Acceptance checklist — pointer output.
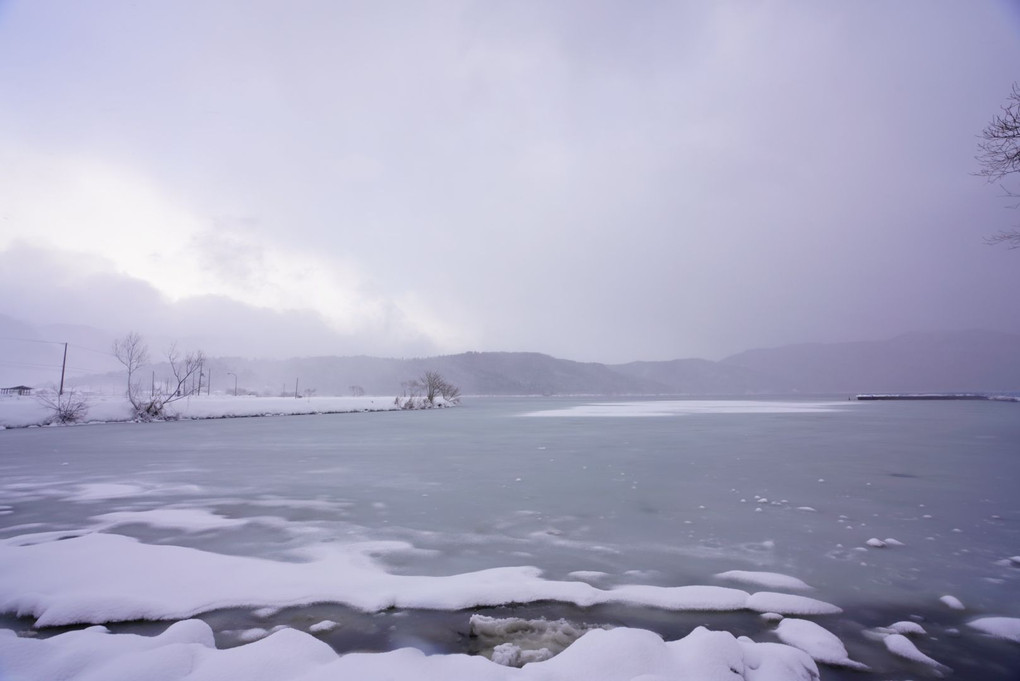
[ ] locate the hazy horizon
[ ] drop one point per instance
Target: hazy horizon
(593, 181)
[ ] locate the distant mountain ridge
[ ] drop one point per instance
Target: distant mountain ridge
(956, 361)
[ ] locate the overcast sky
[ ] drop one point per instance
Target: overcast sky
(605, 181)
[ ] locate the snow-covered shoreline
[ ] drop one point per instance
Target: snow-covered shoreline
(26, 412)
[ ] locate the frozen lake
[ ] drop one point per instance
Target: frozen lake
(390, 529)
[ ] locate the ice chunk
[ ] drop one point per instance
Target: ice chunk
(875, 543)
(818, 642)
(771, 580)
(323, 626)
(515, 641)
(1000, 627)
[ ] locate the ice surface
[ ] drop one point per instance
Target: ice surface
(282, 521)
(1000, 627)
(818, 642)
(684, 407)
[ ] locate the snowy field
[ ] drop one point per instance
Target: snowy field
(18, 412)
(517, 539)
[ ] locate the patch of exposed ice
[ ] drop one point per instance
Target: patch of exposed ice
(818, 642)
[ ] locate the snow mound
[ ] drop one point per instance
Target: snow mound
(186, 651)
(770, 580)
(1000, 627)
(788, 604)
(901, 646)
(907, 628)
(952, 602)
(818, 642)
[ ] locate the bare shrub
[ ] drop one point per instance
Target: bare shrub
(70, 407)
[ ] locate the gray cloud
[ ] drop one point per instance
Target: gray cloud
(599, 181)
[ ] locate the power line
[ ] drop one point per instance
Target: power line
(31, 340)
(98, 352)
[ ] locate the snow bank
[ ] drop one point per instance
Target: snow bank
(27, 411)
(117, 578)
(186, 650)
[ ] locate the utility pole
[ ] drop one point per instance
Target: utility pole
(63, 368)
(295, 389)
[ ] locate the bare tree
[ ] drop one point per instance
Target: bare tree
(183, 369)
(357, 390)
(133, 353)
(432, 384)
(1000, 156)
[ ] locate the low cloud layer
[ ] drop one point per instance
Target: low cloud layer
(593, 180)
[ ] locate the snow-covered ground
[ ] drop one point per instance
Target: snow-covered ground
(26, 411)
(741, 541)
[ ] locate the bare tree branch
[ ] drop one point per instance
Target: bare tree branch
(999, 157)
(133, 353)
